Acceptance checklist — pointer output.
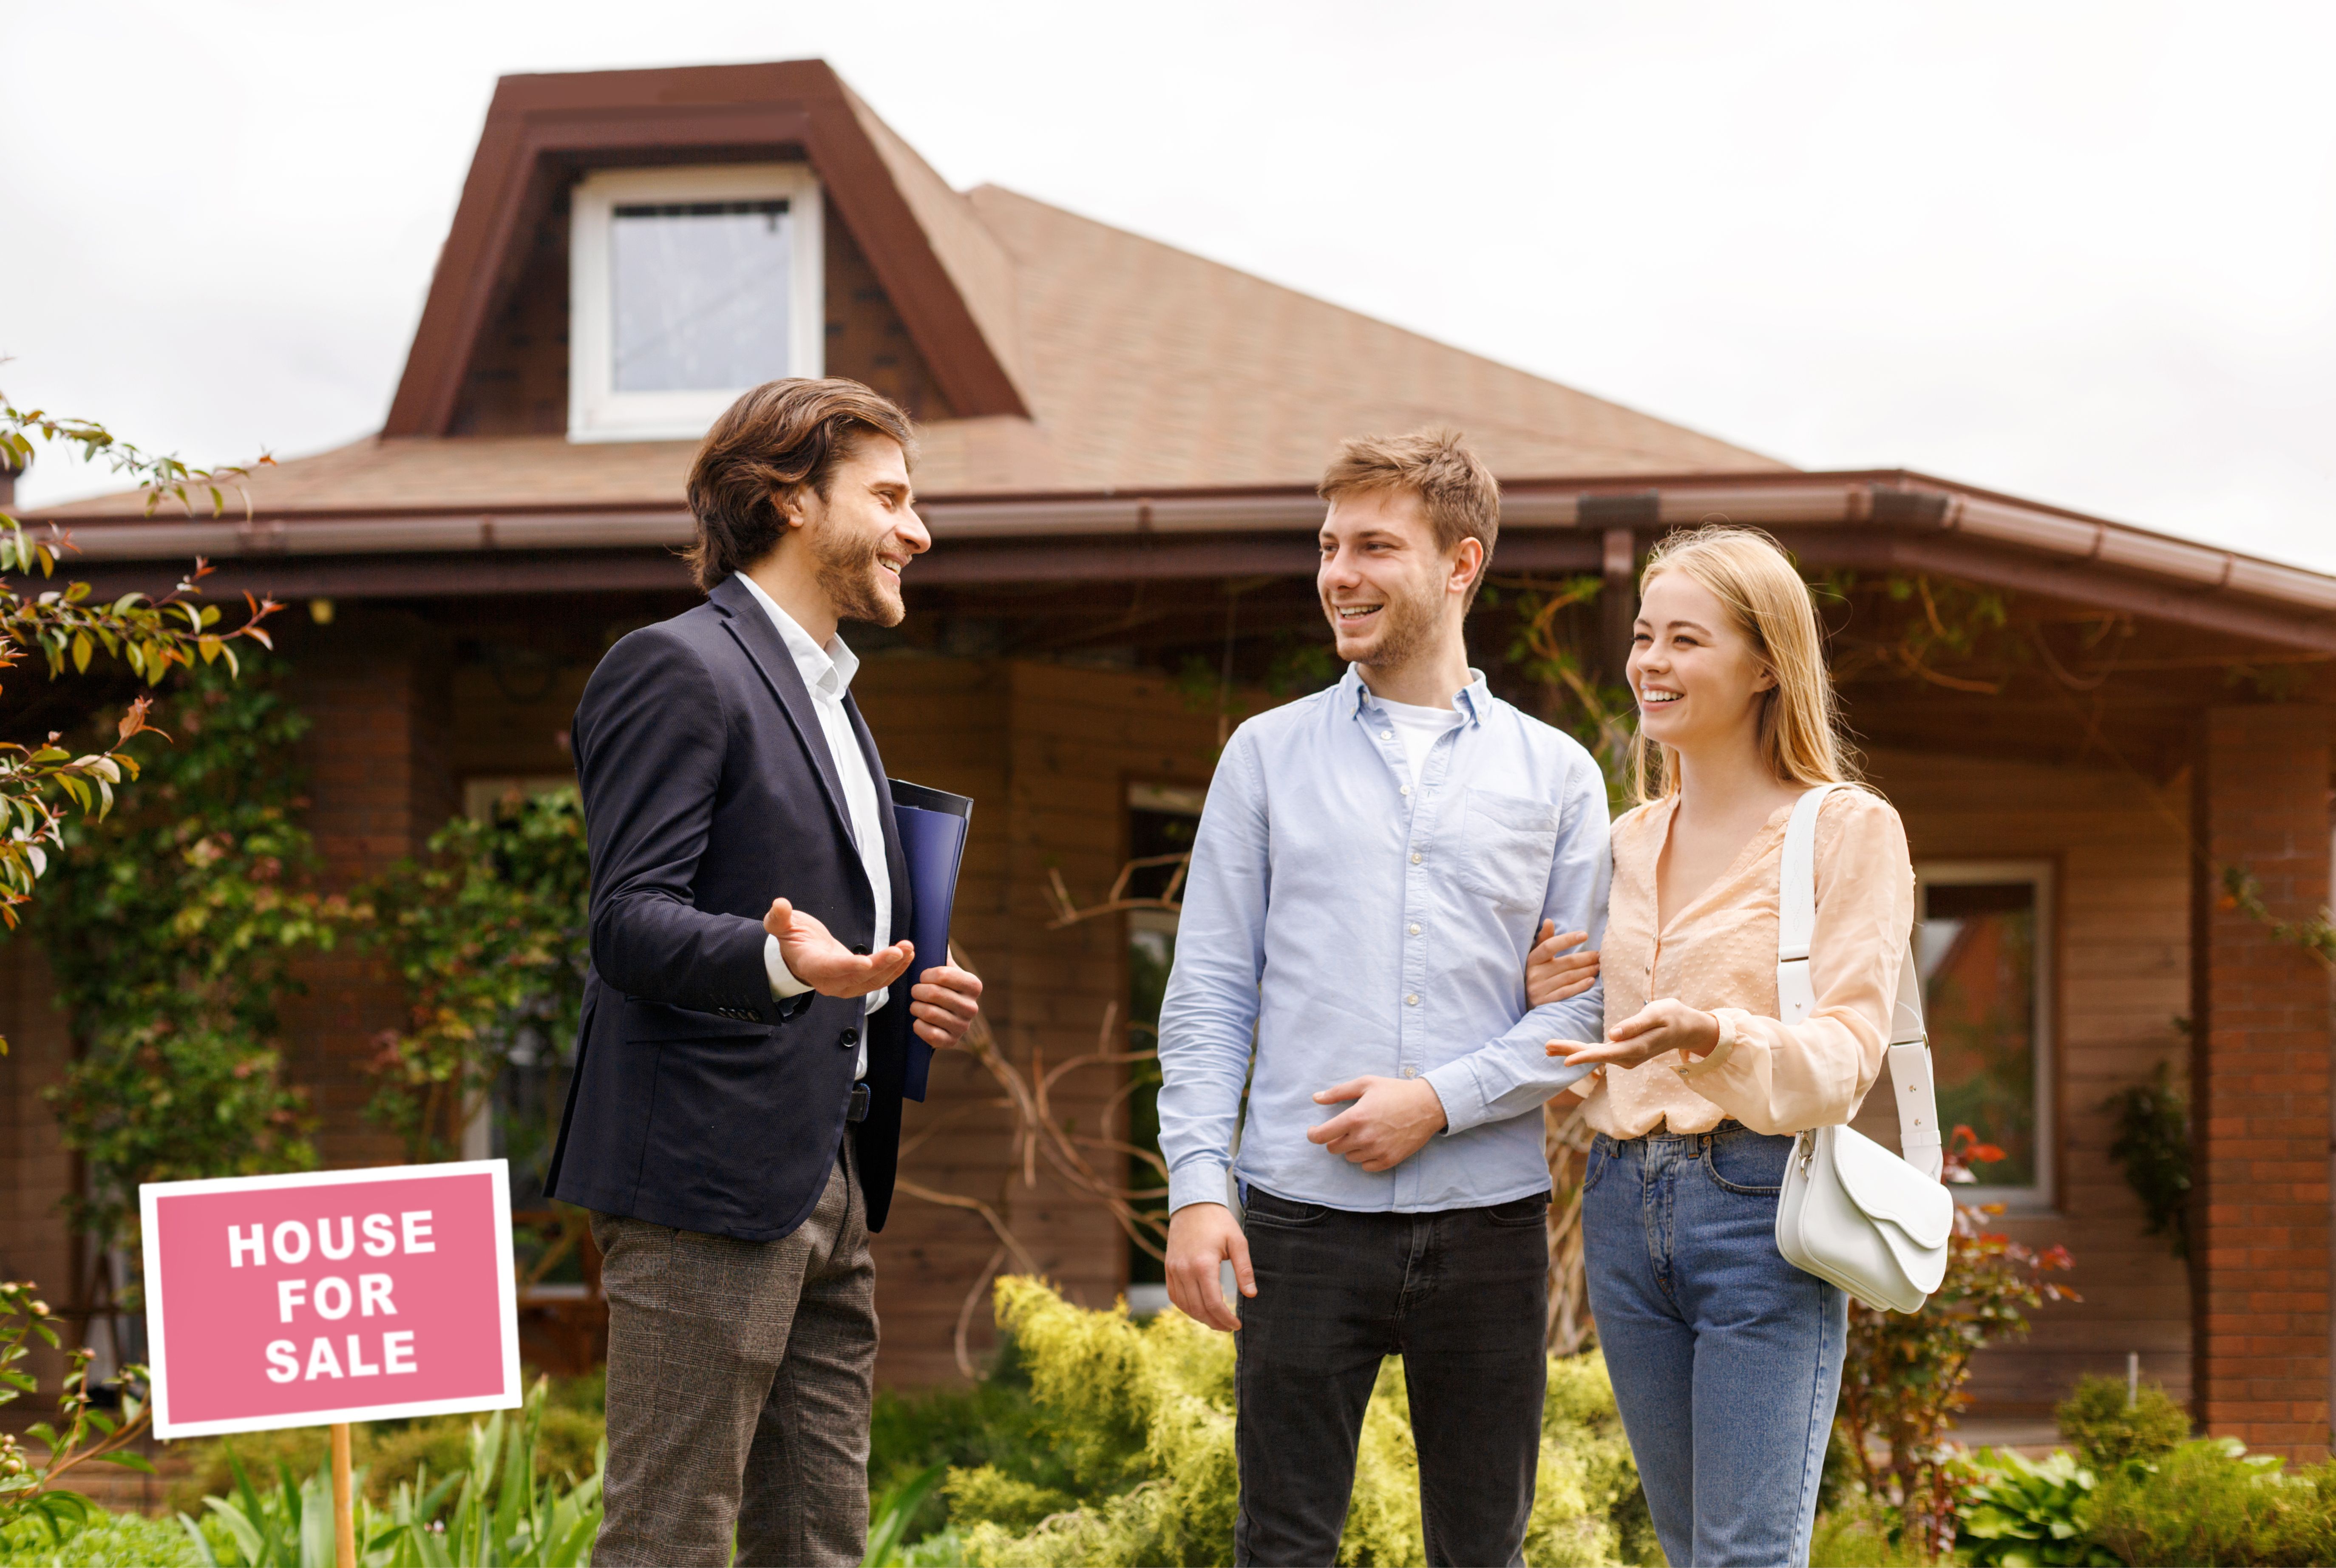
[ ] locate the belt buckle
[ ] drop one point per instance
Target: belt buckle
(857, 1110)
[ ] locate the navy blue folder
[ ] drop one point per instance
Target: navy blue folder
(933, 825)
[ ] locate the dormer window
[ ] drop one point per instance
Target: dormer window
(690, 285)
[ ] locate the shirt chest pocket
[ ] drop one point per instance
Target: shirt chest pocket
(1506, 843)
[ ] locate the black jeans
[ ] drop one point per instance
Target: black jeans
(1462, 1297)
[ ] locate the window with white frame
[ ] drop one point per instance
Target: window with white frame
(688, 287)
(1983, 939)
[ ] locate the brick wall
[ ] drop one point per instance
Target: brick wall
(375, 686)
(2260, 1211)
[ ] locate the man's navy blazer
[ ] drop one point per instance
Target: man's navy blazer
(698, 1100)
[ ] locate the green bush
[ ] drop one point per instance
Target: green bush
(1860, 1534)
(117, 1539)
(2012, 1511)
(2210, 1502)
(1137, 1420)
(2095, 1422)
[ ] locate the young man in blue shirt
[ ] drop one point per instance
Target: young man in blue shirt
(1370, 874)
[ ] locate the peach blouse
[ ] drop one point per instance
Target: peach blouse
(1719, 954)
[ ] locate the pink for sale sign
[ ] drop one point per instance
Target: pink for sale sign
(332, 1296)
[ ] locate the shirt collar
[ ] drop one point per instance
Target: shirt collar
(826, 670)
(1473, 700)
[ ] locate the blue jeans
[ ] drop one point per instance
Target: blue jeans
(1725, 1358)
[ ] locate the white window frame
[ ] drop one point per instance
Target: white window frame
(596, 410)
(2040, 875)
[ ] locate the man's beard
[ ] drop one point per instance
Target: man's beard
(1406, 626)
(847, 572)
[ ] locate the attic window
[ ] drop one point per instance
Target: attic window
(690, 285)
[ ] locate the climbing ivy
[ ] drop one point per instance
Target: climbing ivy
(170, 927)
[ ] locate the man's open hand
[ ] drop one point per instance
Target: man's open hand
(1201, 1237)
(944, 1001)
(815, 958)
(1390, 1121)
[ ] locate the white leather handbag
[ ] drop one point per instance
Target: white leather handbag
(1851, 1212)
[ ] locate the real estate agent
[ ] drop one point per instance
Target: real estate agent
(734, 1116)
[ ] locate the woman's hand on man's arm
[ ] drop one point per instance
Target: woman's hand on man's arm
(1552, 972)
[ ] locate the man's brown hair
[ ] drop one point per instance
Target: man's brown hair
(776, 440)
(1458, 492)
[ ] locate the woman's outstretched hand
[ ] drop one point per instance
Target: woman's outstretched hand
(1551, 972)
(1669, 1025)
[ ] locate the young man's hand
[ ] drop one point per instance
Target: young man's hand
(1390, 1121)
(815, 958)
(1201, 1237)
(943, 1002)
(1552, 973)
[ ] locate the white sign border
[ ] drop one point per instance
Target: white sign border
(514, 1393)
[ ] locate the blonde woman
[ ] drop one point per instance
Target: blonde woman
(1725, 1358)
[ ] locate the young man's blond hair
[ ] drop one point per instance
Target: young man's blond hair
(1458, 492)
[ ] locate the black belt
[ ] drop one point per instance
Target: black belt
(857, 1111)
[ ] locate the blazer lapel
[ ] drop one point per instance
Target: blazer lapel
(768, 651)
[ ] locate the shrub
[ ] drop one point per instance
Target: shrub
(2096, 1421)
(992, 1424)
(1860, 1534)
(2016, 1512)
(1140, 1418)
(2209, 1502)
(108, 1542)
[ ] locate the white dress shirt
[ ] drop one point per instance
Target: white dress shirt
(828, 672)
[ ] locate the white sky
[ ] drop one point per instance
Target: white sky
(2083, 252)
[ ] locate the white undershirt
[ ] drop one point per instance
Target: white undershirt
(828, 672)
(1417, 728)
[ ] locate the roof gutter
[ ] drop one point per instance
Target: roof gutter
(1920, 524)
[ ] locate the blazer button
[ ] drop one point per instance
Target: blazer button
(848, 1038)
(859, 948)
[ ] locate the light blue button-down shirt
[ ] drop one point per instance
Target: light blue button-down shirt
(1353, 923)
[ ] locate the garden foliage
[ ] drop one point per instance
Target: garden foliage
(2211, 1502)
(496, 1510)
(2153, 1146)
(1904, 1376)
(1139, 1465)
(2018, 1513)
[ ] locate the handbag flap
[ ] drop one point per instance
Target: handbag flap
(1889, 1190)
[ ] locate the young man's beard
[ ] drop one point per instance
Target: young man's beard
(847, 574)
(1408, 626)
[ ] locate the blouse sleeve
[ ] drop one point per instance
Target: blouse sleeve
(1776, 1077)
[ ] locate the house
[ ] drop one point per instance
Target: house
(2083, 724)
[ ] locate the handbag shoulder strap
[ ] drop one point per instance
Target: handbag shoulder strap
(1908, 1054)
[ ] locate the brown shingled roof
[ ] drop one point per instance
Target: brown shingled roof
(1147, 367)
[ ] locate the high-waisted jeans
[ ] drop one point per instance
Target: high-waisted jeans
(1725, 1358)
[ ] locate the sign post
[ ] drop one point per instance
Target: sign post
(330, 1296)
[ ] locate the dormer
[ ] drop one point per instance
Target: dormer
(633, 249)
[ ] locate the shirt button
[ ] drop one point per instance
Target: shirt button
(1414, 927)
(1411, 1072)
(1386, 734)
(1412, 1000)
(1415, 857)
(1406, 789)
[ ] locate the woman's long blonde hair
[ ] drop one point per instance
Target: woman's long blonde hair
(1800, 724)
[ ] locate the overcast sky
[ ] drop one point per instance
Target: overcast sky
(2082, 252)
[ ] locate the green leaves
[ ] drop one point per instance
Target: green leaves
(488, 937)
(2021, 1512)
(80, 1433)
